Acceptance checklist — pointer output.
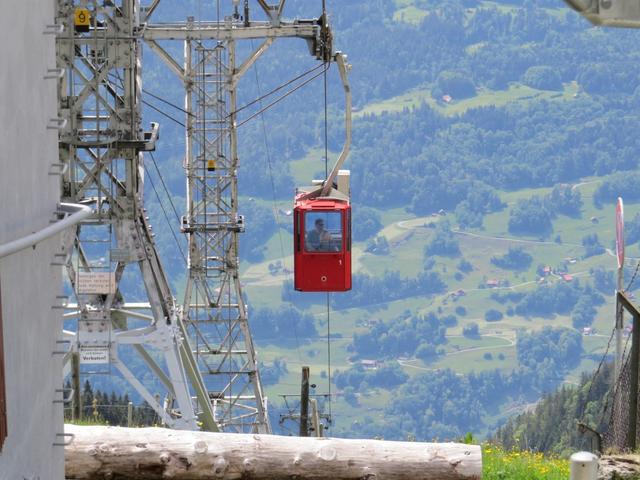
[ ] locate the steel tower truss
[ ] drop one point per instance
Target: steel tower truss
(101, 146)
(214, 306)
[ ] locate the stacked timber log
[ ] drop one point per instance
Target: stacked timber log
(96, 452)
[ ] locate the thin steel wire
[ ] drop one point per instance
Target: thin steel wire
(275, 208)
(635, 274)
(175, 238)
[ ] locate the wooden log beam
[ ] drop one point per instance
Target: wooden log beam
(98, 453)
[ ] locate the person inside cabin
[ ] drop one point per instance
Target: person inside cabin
(319, 239)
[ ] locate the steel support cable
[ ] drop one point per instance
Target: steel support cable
(273, 192)
(617, 381)
(596, 373)
(633, 277)
(164, 186)
(279, 99)
(164, 114)
(150, 105)
(147, 92)
(277, 89)
(167, 219)
(162, 180)
(616, 422)
(326, 175)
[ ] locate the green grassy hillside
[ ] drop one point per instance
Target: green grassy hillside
(407, 237)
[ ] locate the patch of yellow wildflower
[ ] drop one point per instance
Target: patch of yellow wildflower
(499, 464)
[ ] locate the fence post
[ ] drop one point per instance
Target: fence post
(304, 403)
(76, 411)
(129, 414)
(633, 388)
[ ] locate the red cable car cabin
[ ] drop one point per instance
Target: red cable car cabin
(322, 244)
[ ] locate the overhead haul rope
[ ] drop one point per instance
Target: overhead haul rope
(277, 89)
(633, 278)
(166, 216)
(326, 174)
(153, 107)
(282, 97)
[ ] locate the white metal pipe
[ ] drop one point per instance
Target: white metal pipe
(77, 214)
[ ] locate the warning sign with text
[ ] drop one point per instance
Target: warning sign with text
(93, 355)
(96, 282)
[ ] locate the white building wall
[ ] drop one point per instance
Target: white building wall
(28, 282)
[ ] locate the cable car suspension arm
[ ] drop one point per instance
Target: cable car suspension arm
(343, 68)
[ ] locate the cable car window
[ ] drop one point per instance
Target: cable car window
(323, 231)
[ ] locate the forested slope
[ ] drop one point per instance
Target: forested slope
(490, 139)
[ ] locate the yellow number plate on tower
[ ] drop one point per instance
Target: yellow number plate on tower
(82, 18)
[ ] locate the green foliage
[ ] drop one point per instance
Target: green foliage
(550, 428)
(603, 279)
(377, 246)
(623, 184)
(366, 223)
(260, 226)
(403, 336)
(465, 266)
(349, 395)
(592, 245)
(280, 326)
(442, 404)
(493, 315)
(101, 408)
(547, 300)
(270, 373)
(632, 230)
(367, 290)
(443, 242)
(515, 259)
(565, 200)
(501, 464)
(455, 84)
(543, 77)
(607, 78)
(583, 312)
(480, 200)
(530, 217)
(549, 350)
(386, 376)
(471, 330)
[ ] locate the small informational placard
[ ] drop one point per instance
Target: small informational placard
(119, 255)
(96, 282)
(94, 355)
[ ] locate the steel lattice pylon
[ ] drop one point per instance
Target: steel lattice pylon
(216, 315)
(101, 151)
(215, 312)
(101, 145)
